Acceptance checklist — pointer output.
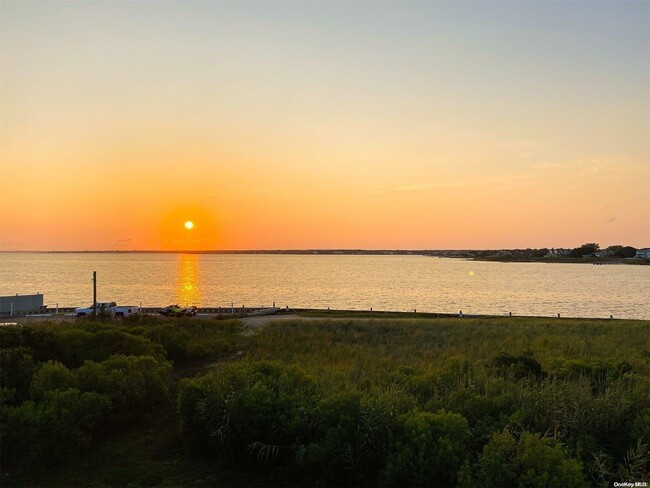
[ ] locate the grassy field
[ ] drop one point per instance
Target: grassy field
(348, 401)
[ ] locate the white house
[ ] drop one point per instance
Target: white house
(556, 253)
(643, 253)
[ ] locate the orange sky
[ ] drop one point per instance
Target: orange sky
(348, 125)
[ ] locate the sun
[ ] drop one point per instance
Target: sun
(189, 225)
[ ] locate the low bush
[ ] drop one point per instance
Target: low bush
(526, 459)
(50, 430)
(427, 449)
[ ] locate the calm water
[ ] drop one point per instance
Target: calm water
(347, 282)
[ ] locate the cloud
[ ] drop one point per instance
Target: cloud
(124, 240)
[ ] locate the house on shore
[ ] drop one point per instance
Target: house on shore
(557, 253)
(643, 253)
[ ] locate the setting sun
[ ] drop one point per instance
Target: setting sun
(189, 225)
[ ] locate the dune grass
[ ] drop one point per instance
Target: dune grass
(429, 343)
(574, 392)
(331, 402)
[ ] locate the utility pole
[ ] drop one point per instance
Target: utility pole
(94, 294)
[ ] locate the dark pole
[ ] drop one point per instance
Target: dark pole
(94, 294)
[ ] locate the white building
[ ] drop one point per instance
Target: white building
(557, 253)
(21, 303)
(643, 253)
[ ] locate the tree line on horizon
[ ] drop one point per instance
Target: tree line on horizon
(585, 250)
(591, 248)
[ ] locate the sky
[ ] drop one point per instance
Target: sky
(293, 125)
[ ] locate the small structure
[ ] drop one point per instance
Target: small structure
(643, 253)
(21, 303)
(557, 253)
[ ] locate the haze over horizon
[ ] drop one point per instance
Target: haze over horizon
(324, 125)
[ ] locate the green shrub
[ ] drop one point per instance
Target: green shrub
(16, 370)
(522, 366)
(76, 345)
(186, 340)
(49, 431)
(51, 376)
(135, 384)
(247, 406)
(341, 451)
(527, 460)
(171, 337)
(427, 449)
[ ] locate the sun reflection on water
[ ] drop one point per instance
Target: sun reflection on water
(188, 291)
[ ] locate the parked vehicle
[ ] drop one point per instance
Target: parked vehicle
(124, 311)
(177, 311)
(87, 311)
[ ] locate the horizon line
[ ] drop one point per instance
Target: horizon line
(275, 251)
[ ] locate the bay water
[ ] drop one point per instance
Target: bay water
(359, 282)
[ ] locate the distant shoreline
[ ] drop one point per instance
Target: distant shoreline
(264, 251)
(426, 252)
(468, 254)
(596, 261)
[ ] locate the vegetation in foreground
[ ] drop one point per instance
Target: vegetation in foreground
(391, 402)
